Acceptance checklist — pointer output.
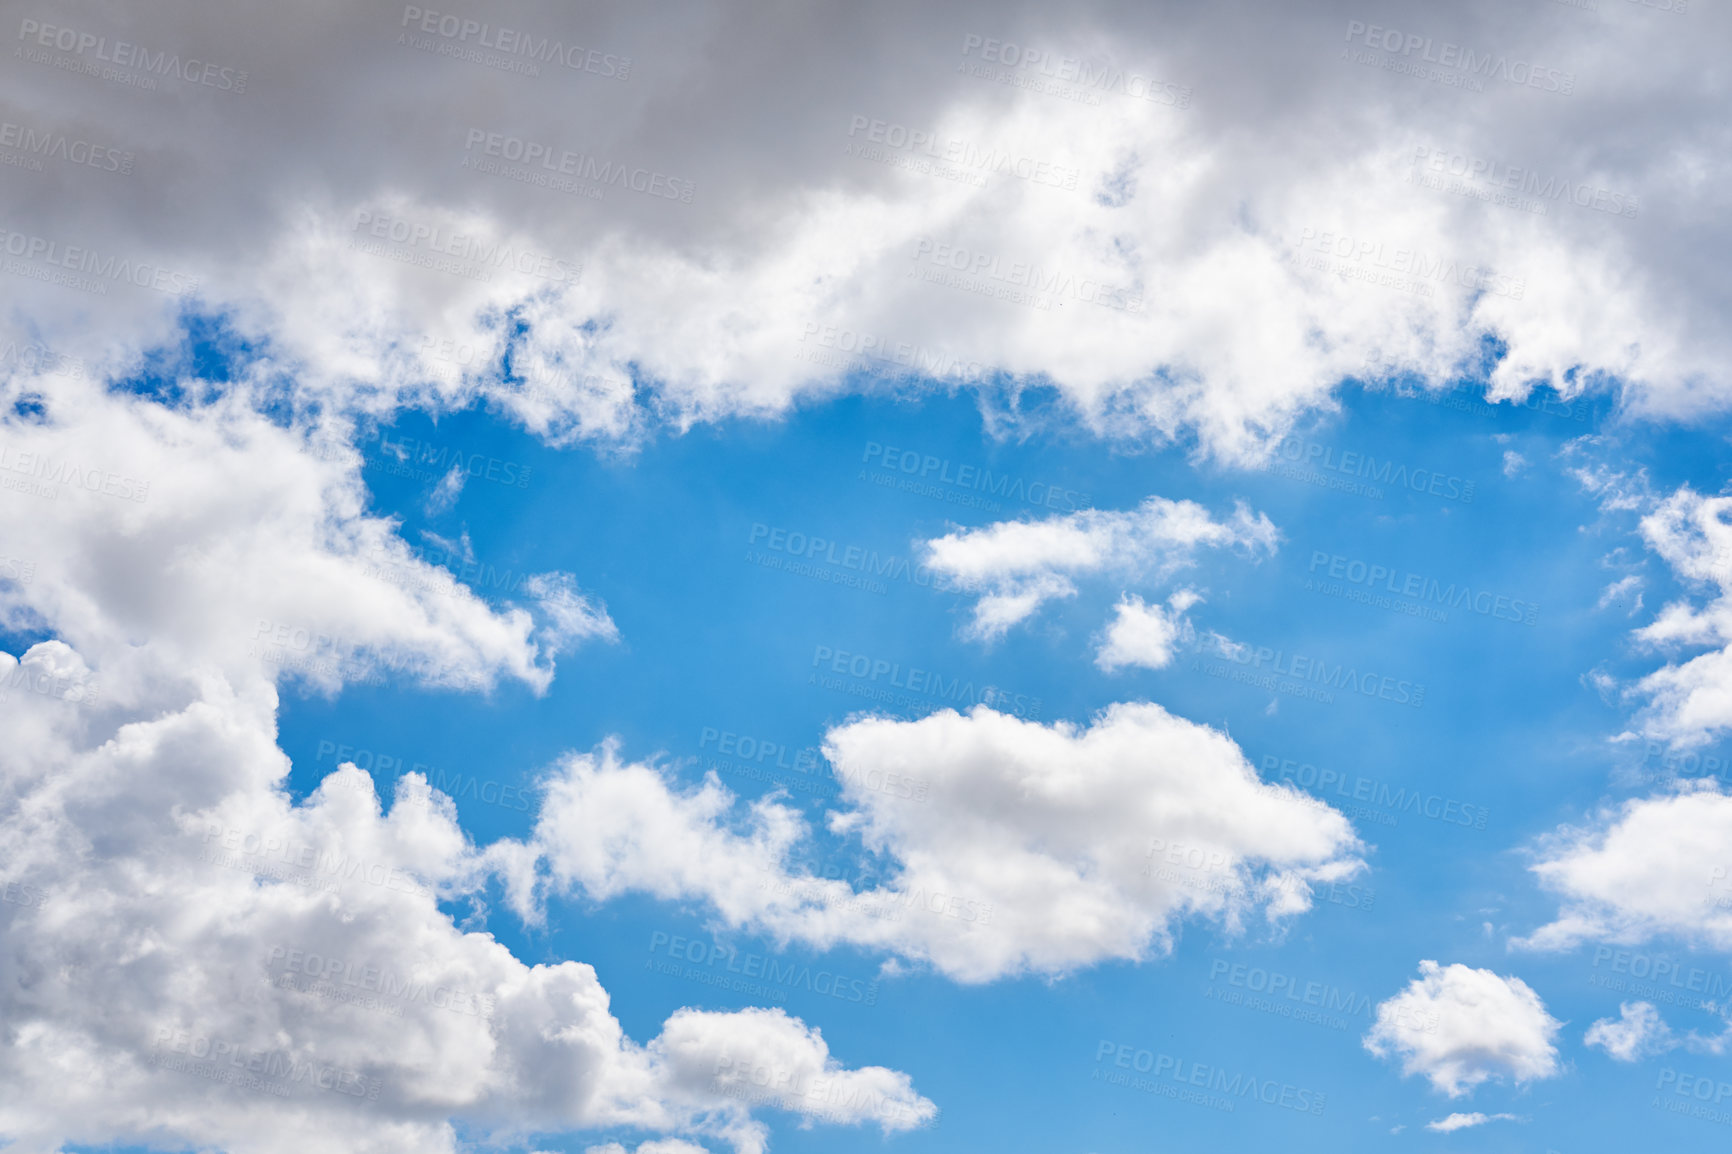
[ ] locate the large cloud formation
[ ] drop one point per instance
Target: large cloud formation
(191, 959)
(1009, 846)
(1189, 224)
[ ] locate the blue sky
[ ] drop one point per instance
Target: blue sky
(1509, 728)
(675, 580)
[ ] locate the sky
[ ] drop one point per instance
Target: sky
(673, 578)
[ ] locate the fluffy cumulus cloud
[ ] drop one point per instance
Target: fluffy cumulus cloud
(1145, 635)
(1459, 1027)
(1650, 867)
(1009, 846)
(193, 960)
(1016, 566)
(1188, 226)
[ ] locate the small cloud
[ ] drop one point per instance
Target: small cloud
(1464, 1121)
(462, 548)
(446, 492)
(1460, 1027)
(569, 616)
(1624, 591)
(1637, 1032)
(1146, 635)
(1513, 463)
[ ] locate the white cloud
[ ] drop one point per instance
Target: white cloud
(1016, 566)
(653, 1146)
(1010, 846)
(1690, 702)
(1650, 867)
(1467, 1121)
(1640, 1032)
(202, 962)
(1637, 1032)
(571, 617)
(1460, 1027)
(446, 492)
(1208, 267)
(1144, 635)
(1513, 463)
(1621, 591)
